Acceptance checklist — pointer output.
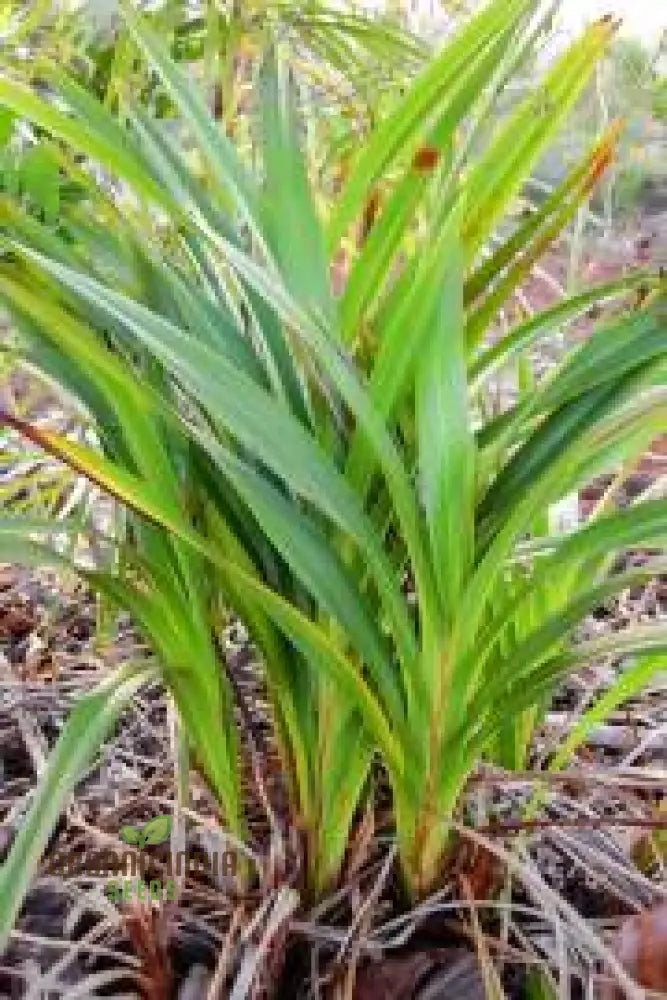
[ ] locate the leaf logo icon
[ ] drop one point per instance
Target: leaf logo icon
(130, 834)
(155, 831)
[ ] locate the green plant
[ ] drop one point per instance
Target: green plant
(296, 457)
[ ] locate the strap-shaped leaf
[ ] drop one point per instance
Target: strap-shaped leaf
(630, 683)
(299, 249)
(446, 440)
(85, 730)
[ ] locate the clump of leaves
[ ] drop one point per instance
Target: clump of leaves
(294, 456)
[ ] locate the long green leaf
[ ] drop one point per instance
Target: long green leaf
(87, 726)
